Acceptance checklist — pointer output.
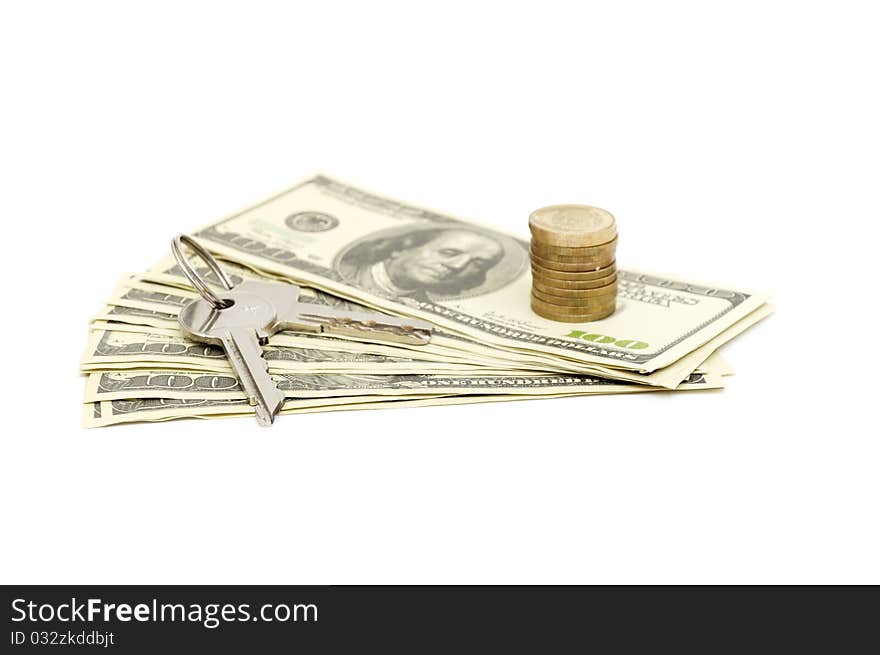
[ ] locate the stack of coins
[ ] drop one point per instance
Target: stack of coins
(574, 277)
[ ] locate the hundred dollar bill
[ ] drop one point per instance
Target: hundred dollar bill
(306, 341)
(163, 305)
(109, 412)
(122, 385)
(142, 298)
(159, 306)
(466, 277)
(109, 349)
(678, 371)
(715, 364)
(186, 385)
(103, 413)
(137, 294)
(123, 318)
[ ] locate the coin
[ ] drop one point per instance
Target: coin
(566, 315)
(586, 303)
(555, 286)
(573, 266)
(550, 252)
(579, 276)
(562, 292)
(572, 226)
(602, 259)
(577, 305)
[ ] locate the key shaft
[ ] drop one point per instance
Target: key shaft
(245, 355)
(240, 329)
(321, 318)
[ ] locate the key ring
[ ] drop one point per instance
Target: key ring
(193, 276)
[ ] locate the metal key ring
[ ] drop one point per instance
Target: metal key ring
(193, 276)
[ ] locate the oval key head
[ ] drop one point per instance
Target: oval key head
(203, 323)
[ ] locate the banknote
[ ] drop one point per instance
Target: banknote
(186, 385)
(100, 413)
(668, 377)
(103, 413)
(123, 318)
(159, 306)
(309, 341)
(125, 349)
(123, 385)
(162, 305)
(146, 300)
(468, 278)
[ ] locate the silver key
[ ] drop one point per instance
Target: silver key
(241, 329)
(243, 318)
(259, 310)
(292, 314)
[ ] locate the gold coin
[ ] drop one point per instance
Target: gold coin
(602, 258)
(555, 286)
(551, 252)
(572, 226)
(577, 305)
(578, 265)
(564, 315)
(578, 276)
(586, 303)
(561, 292)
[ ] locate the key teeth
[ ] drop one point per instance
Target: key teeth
(280, 398)
(268, 420)
(405, 333)
(243, 348)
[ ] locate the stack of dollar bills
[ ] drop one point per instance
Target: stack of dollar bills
(352, 248)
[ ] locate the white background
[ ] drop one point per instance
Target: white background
(736, 143)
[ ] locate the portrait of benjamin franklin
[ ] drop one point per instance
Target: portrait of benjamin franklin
(429, 263)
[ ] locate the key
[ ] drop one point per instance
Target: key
(291, 314)
(241, 329)
(259, 309)
(246, 315)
